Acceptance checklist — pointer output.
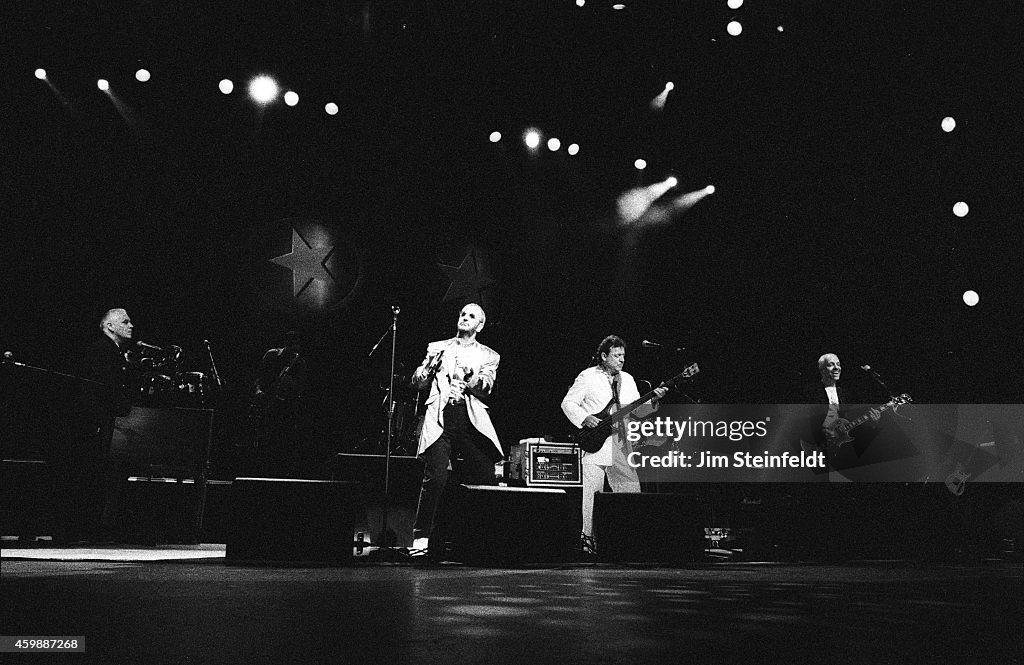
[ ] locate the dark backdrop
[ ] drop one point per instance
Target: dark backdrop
(831, 228)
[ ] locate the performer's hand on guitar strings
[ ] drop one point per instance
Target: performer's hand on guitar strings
(591, 421)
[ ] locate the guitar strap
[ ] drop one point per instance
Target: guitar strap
(616, 403)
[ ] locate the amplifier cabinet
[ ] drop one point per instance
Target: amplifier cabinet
(539, 463)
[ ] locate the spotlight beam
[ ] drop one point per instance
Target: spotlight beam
(641, 208)
(634, 203)
(658, 103)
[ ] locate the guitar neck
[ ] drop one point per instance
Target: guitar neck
(867, 416)
(632, 406)
(629, 408)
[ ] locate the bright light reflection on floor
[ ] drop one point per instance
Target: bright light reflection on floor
(489, 611)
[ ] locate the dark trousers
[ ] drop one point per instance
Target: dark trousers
(459, 440)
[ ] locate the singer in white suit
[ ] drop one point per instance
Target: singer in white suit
(460, 372)
(593, 390)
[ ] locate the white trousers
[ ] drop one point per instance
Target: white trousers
(621, 477)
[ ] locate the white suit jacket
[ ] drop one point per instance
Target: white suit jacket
(591, 392)
(485, 367)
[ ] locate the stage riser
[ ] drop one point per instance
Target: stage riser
(508, 527)
(876, 521)
(649, 528)
(28, 496)
(404, 476)
(805, 522)
(293, 521)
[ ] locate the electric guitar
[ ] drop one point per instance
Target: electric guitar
(590, 439)
(839, 434)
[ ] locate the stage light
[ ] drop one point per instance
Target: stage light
(580, 3)
(710, 189)
(779, 28)
(532, 139)
(671, 181)
(734, 28)
(263, 89)
(618, 5)
(971, 298)
(495, 137)
(640, 164)
(960, 209)
(670, 86)
(142, 75)
(226, 86)
(948, 124)
(41, 74)
(291, 98)
(103, 85)
(735, 4)
(331, 108)
(554, 144)
(573, 148)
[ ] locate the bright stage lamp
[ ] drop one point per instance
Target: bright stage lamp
(263, 89)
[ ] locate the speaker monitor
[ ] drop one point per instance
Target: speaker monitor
(648, 528)
(299, 521)
(492, 525)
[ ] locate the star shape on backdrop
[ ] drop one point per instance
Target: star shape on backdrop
(306, 262)
(469, 278)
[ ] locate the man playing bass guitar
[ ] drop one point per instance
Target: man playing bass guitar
(604, 386)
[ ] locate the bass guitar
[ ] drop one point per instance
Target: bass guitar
(590, 439)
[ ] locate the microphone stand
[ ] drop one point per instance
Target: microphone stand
(668, 349)
(878, 379)
(213, 365)
(8, 359)
(389, 552)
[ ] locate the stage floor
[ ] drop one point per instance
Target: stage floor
(158, 605)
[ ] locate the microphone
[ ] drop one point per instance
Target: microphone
(147, 346)
(396, 309)
(8, 356)
(648, 344)
(876, 377)
(436, 365)
(206, 343)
